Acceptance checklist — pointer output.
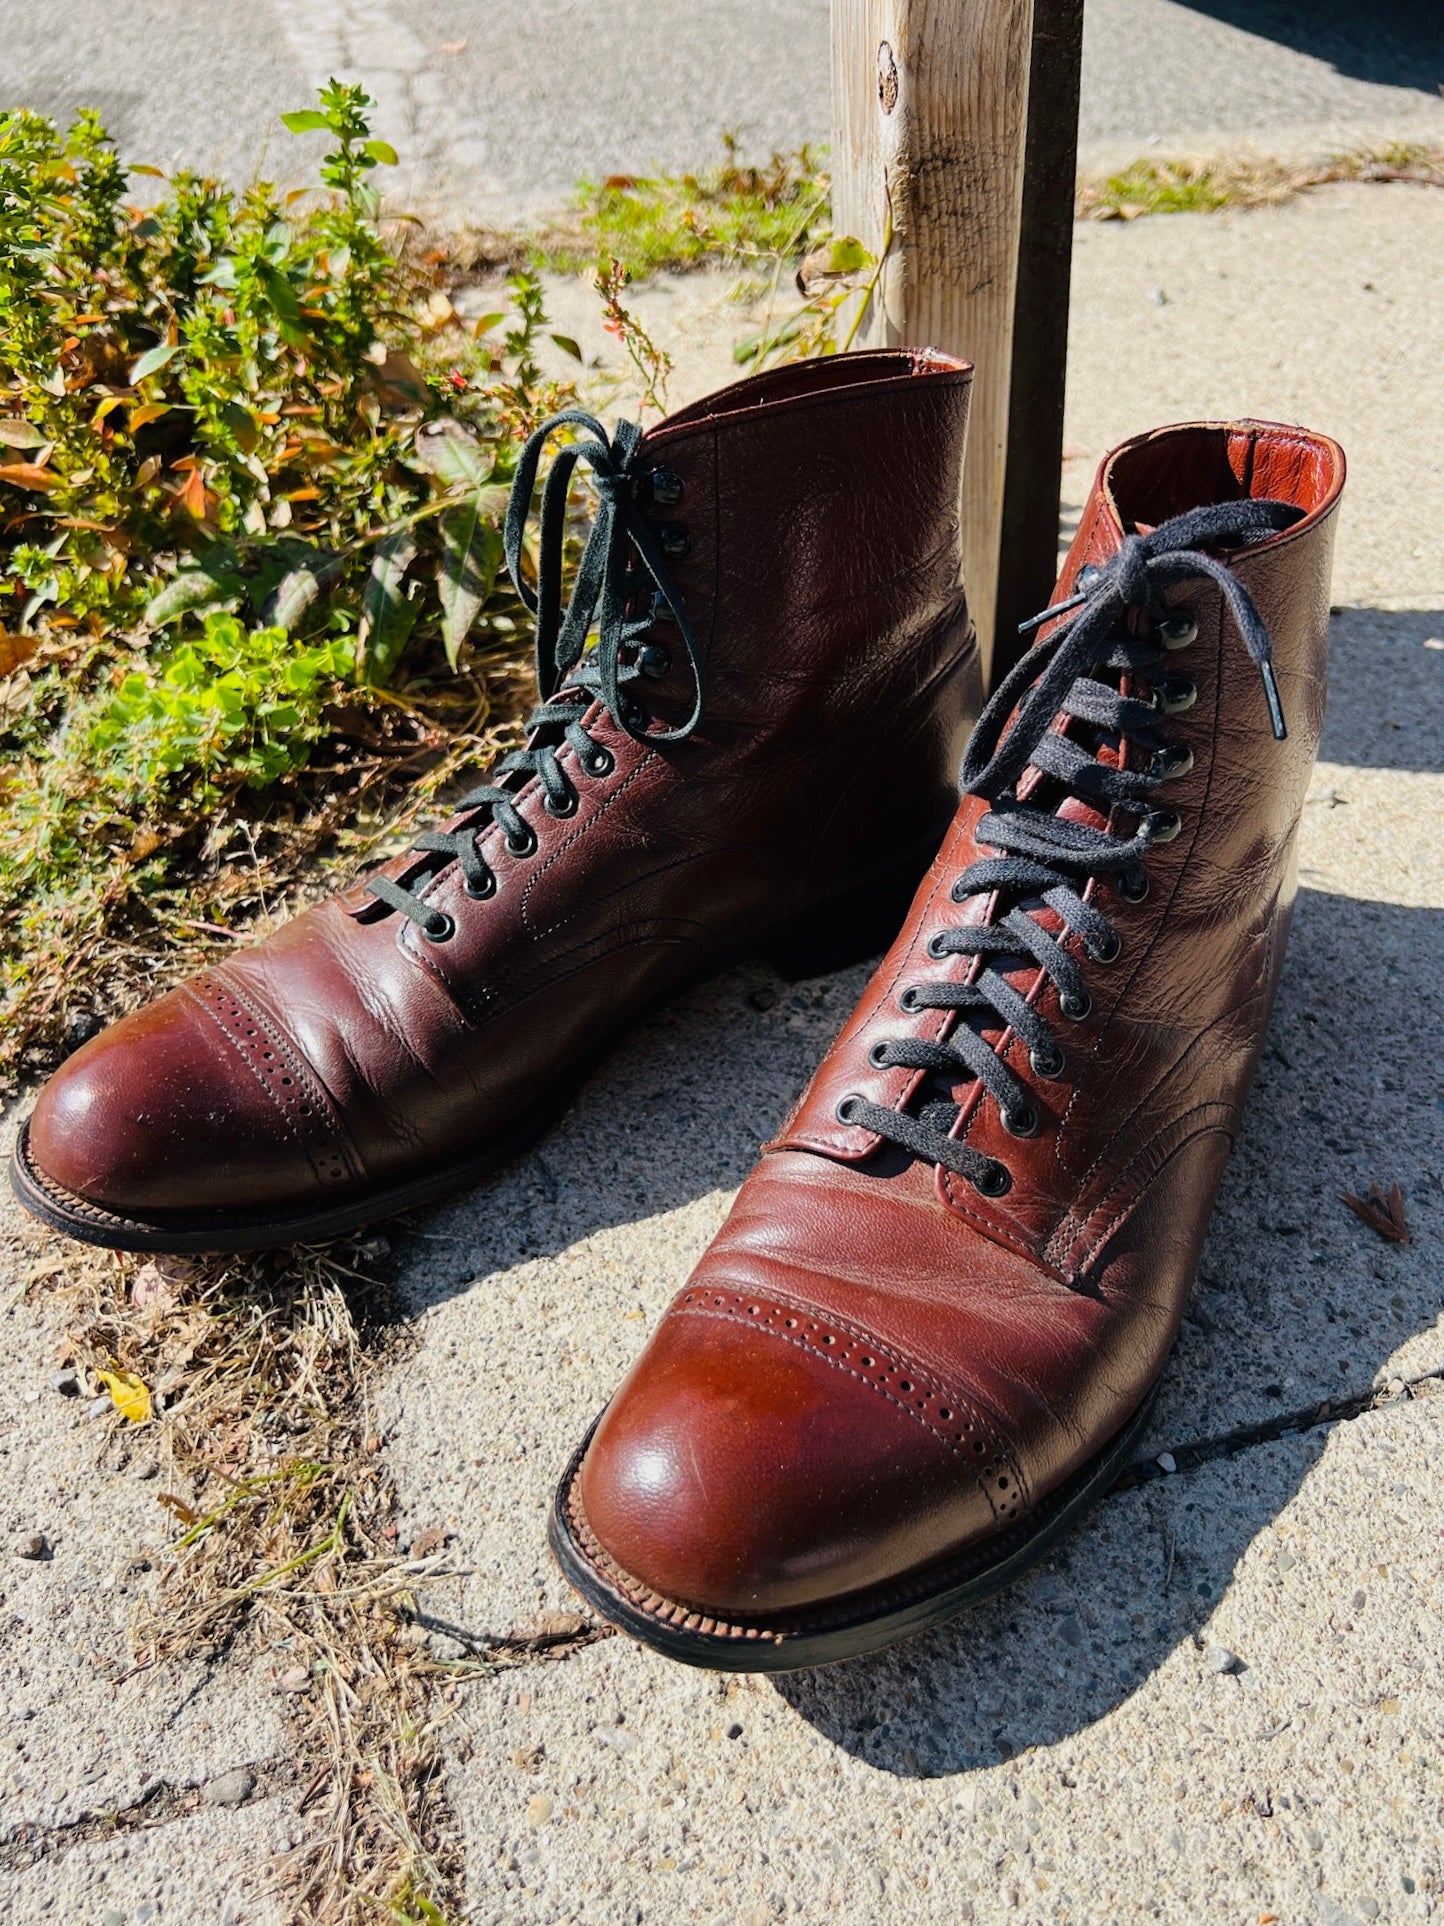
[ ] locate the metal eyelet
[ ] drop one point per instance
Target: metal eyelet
(1162, 825)
(674, 541)
(1173, 760)
(1174, 694)
(846, 1111)
(661, 608)
(668, 487)
(1075, 1008)
(1178, 630)
(876, 1056)
(520, 846)
(1048, 1065)
(1021, 1122)
(1107, 949)
(1085, 578)
(1132, 885)
(909, 1001)
(567, 807)
(488, 888)
(600, 763)
(438, 928)
(935, 945)
(655, 660)
(995, 1181)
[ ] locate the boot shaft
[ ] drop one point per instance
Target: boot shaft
(1171, 1026)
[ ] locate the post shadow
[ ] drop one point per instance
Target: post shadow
(1397, 46)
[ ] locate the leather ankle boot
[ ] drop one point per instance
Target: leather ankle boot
(926, 1338)
(757, 755)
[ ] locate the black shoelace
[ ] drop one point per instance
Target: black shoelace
(1045, 860)
(621, 570)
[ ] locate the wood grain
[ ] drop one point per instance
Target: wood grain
(931, 143)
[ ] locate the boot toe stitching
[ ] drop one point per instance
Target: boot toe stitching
(951, 1418)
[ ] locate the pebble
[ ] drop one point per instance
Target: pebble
(231, 1788)
(100, 1407)
(110, 1917)
(539, 1808)
(1166, 1462)
(762, 999)
(1219, 1659)
(32, 1544)
(67, 1383)
(294, 1680)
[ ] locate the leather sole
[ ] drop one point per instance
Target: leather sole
(848, 1627)
(844, 930)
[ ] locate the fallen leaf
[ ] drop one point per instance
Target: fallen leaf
(16, 651)
(1382, 1213)
(25, 474)
(128, 1394)
(178, 1507)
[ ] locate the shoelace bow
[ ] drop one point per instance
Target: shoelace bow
(1044, 859)
(621, 565)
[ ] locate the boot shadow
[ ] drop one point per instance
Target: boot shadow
(1297, 1304)
(682, 1105)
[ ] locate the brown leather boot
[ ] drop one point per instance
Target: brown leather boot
(758, 756)
(926, 1338)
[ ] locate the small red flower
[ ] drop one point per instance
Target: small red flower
(457, 380)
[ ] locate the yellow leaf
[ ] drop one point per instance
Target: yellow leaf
(152, 411)
(128, 1394)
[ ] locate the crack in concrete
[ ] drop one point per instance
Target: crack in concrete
(1228, 1444)
(161, 1804)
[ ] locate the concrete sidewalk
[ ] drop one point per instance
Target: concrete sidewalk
(1071, 1752)
(496, 108)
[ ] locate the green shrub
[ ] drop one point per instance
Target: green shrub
(250, 501)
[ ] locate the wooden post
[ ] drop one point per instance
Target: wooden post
(955, 134)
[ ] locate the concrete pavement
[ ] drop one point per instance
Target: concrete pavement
(498, 108)
(1071, 1752)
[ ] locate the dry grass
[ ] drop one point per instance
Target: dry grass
(285, 1530)
(1196, 186)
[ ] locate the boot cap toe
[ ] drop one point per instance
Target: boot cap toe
(750, 1464)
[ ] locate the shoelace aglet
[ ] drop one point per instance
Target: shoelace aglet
(1276, 707)
(1058, 608)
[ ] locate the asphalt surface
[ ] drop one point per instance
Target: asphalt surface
(499, 107)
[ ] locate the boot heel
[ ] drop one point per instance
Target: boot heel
(853, 927)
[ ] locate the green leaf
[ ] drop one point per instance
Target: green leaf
(382, 151)
(193, 588)
(387, 616)
(296, 591)
(151, 360)
(470, 559)
(847, 256)
(447, 449)
(308, 121)
(281, 295)
(568, 346)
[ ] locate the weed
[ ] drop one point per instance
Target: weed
(733, 213)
